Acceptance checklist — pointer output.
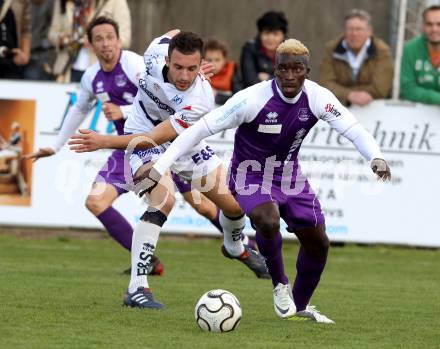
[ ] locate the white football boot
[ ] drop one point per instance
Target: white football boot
(283, 302)
(311, 314)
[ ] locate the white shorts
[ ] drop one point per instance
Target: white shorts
(194, 164)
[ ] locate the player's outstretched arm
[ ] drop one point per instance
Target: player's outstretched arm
(182, 144)
(88, 140)
(344, 122)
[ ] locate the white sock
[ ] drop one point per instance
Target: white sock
(232, 229)
(245, 239)
(143, 245)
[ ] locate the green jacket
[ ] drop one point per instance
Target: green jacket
(419, 80)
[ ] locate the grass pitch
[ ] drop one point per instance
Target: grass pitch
(67, 293)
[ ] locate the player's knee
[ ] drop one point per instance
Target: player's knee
(319, 248)
(267, 225)
(95, 204)
(323, 246)
(168, 204)
(233, 210)
(202, 210)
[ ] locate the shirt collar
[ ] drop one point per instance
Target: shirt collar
(284, 98)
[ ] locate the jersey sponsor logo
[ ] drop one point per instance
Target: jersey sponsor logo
(230, 112)
(271, 117)
(120, 80)
(330, 108)
(159, 103)
(203, 155)
(177, 99)
(303, 114)
(141, 153)
(274, 129)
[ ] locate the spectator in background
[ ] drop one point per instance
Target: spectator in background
(10, 161)
(258, 55)
(68, 33)
(420, 69)
(15, 37)
(358, 66)
(226, 80)
(41, 11)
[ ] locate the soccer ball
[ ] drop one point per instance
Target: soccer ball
(218, 311)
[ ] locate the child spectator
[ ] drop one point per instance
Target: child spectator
(225, 81)
(258, 55)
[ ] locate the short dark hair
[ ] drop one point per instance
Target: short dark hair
(101, 20)
(186, 43)
(272, 21)
(428, 9)
(216, 45)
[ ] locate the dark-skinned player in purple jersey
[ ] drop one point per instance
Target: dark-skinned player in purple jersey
(273, 117)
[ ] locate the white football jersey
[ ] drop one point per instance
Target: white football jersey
(157, 99)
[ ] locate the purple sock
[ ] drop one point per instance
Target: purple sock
(117, 226)
(308, 274)
(216, 221)
(271, 249)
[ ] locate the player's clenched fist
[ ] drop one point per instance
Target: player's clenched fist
(381, 168)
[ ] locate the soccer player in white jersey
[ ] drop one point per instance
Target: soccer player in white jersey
(171, 89)
(113, 80)
(273, 117)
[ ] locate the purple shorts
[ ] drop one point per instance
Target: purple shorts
(113, 172)
(183, 186)
(298, 204)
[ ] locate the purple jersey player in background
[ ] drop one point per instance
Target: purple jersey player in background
(273, 117)
(112, 80)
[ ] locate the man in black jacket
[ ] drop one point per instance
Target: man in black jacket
(258, 55)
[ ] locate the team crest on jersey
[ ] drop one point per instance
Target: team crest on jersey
(156, 87)
(177, 99)
(99, 87)
(303, 114)
(271, 117)
(120, 80)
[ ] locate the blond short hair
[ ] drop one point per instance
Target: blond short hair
(292, 47)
